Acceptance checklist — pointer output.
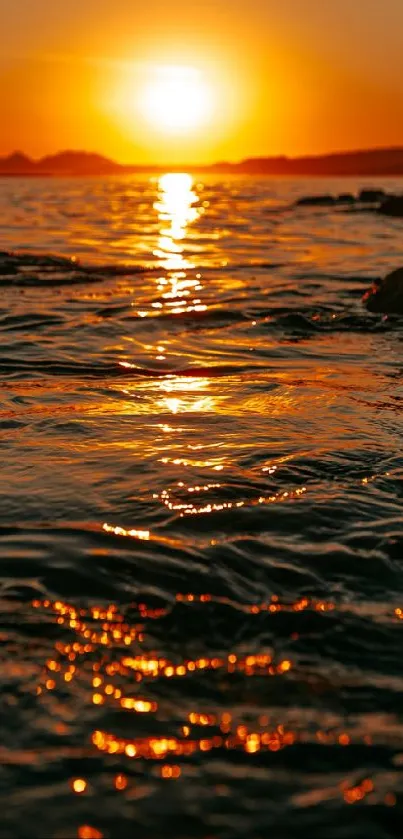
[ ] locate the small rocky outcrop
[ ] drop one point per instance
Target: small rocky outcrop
(368, 199)
(393, 206)
(386, 296)
(346, 198)
(315, 201)
(371, 196)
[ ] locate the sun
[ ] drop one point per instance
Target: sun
(177, 99)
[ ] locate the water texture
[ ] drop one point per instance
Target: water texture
(201, 536)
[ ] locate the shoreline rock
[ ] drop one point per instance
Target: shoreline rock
(372, 200)
(393, 206)
(385, 297)
(315, 201)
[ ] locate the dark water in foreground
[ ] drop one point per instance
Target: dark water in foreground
(201, 541)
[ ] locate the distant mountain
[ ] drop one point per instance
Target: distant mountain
(16, 164)
(62, 163)
(370, 162)
(384, 162)
(77, 163)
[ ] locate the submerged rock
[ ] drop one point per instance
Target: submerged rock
(386, 296)
(393, 206)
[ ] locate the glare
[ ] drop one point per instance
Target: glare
(177, 99)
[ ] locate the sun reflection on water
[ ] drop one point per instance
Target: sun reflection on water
(178, 207)
(184, 395)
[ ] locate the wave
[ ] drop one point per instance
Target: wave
(119, 370)
(34, 269)
(37, 269)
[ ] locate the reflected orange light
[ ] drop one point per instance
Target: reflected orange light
(357, 793)
(121, 782)
(176, 207)
(170, 771)
(121, 531)
(186, 506)
(182, 400)
(110, 667)
(85, 831)
(79, 785)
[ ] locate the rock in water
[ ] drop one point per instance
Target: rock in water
(345, 198)
(371, 196)
(386, 296)
(315, 201)
(393, 206)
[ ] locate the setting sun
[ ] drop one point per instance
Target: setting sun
(176, 99)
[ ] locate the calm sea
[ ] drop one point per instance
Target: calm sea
(201, 540)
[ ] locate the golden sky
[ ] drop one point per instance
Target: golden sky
(267, 77)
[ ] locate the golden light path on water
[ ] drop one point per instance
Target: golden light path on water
(178, 207)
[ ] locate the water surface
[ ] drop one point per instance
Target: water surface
(201, 535)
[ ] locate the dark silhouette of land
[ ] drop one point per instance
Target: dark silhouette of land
(372, 162)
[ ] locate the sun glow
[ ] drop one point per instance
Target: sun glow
(177, 99)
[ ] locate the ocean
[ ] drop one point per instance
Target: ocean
(201, 533)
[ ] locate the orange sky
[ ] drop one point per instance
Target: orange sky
(300, 76)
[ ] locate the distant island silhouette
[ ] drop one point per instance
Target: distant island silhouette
(371, 162)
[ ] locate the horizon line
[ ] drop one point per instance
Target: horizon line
(380, 161)
(230, 162)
